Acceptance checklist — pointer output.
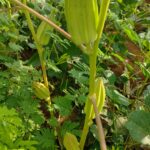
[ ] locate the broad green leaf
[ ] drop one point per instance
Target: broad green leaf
(117, 97)
(139, 126)
(46, 139)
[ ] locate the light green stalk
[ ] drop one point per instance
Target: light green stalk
(39, 48)
(92, 62)
(9, 9)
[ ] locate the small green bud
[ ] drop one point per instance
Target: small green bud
(71, 142)
(40, 90)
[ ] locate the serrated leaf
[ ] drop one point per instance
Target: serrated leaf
(70, 127)
(139, 126)
(6, 114)
(63, 104)
(79, 76)
(15, 47)
(53, 122)
(26, 144)
(46, 139)
(10, 126)
(29, 107)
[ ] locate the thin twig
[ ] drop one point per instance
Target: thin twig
(99, 124)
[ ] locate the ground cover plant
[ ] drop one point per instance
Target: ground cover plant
(63, 78)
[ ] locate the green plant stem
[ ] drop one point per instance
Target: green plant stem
(101, 134)
(60, 139)
(92, 62)
(102, 17)
(39, 47)
(88, 119)
(9, 9)
(92, 58)
(87, 124)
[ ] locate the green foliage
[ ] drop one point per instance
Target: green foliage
(12, 131)
(70, 127)
(138, 126)
(63, 104)
(3, 2)
(117, 97)
(26, 122)
(10, 38)
(46, 139)
(138, 122)
(79, 76)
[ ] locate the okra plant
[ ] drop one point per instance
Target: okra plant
(85, 22)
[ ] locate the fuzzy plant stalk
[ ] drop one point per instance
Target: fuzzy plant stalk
(9, 9)
(92, 61)
(101, 134)
(39, 49)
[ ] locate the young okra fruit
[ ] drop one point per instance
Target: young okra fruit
(100, 93)
(82, 20)
(40, 90)
(70, 142)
